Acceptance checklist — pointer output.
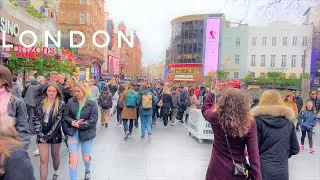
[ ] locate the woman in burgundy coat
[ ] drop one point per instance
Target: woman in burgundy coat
(233, 112)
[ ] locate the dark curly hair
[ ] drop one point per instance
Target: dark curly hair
(234, 112)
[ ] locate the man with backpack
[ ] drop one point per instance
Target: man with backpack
(128, 100)
(146, 101)
(183, 104)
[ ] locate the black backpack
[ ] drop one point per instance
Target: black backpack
(106, 101)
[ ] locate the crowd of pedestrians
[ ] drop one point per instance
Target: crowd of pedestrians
(64, 108)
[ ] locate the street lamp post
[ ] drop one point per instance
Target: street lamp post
(305, 81)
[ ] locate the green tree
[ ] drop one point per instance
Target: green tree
(274, 77)
(222, 74)
(207, 82)
(248, 79)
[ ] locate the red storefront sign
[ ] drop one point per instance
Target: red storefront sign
(31, 53)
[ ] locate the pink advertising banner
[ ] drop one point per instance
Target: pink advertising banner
(212, 45)
(113, 65)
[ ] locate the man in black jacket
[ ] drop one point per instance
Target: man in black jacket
(299, 101)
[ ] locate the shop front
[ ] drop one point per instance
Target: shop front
(185, 73)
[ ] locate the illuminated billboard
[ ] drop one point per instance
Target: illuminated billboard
(212, 45)
(113, 65)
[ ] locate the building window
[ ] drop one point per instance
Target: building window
(294, 41)
(81, 1)
(253, 60)
(82, 18)
(264, 41)
(303, 61)
(285, 41)
(236, 75)
(88, 18)
(254, 41)
(293, 61)
(273, 61)
(238, 42)
(237, 59)
(262, 75)
(305, 40)
(263, 61)
(284, 61)
(274, 41)
(88, 2)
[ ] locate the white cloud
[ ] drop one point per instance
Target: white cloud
(151, 18)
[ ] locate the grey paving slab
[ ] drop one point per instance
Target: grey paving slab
(171, 155)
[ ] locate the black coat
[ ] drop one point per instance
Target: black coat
(17, 109)
(89, 113)
(277, 140)
(18, 166)
(167, 104)
(299, 102)
(50, 132)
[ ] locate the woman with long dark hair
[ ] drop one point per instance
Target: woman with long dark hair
(233, 129)
(47, 122)
(13, 106)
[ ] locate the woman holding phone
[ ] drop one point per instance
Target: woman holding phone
(80, 120)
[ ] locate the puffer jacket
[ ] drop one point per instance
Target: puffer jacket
(18, 110)
(277, 140)
(89, 113)
(307, 120)
(183, 101)
(51, 133)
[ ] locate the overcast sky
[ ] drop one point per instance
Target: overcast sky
(151, 18)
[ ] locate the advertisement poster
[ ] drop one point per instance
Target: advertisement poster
(212, 45)
(113, 65)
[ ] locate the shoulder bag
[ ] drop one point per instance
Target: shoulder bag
(240, 169)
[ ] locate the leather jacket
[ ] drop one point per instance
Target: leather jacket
(50, 132)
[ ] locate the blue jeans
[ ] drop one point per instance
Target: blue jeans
(73, 146)
(145, 124)
(125, 125)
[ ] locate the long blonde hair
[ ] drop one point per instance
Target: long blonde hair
(166, 90)
(45, 101)
(271, 97)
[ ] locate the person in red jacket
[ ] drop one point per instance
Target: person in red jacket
(197, 92)
(233, 129)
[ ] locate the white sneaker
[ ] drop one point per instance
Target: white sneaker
(36, 152)
(120, 126)
(172, 124)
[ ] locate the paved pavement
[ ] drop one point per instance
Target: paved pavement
(171, 155)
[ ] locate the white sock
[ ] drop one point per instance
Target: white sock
(56, 172)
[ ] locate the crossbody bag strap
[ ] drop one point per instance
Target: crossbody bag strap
(228, 144)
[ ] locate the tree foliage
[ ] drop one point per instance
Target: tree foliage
(274, 77)
(40, 65)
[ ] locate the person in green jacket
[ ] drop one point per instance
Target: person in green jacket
(145, 101)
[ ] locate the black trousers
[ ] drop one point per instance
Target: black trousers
(30, 111)
(309, 137)
(165, 119)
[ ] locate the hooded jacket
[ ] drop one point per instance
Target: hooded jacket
(277, 140)
(175, 99)
(145, 112)
(316, 103)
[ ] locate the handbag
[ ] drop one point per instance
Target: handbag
(160, 103)
(240, 169)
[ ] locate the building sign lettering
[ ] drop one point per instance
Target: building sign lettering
(33, 52)
(9, 27)
(184, 77)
